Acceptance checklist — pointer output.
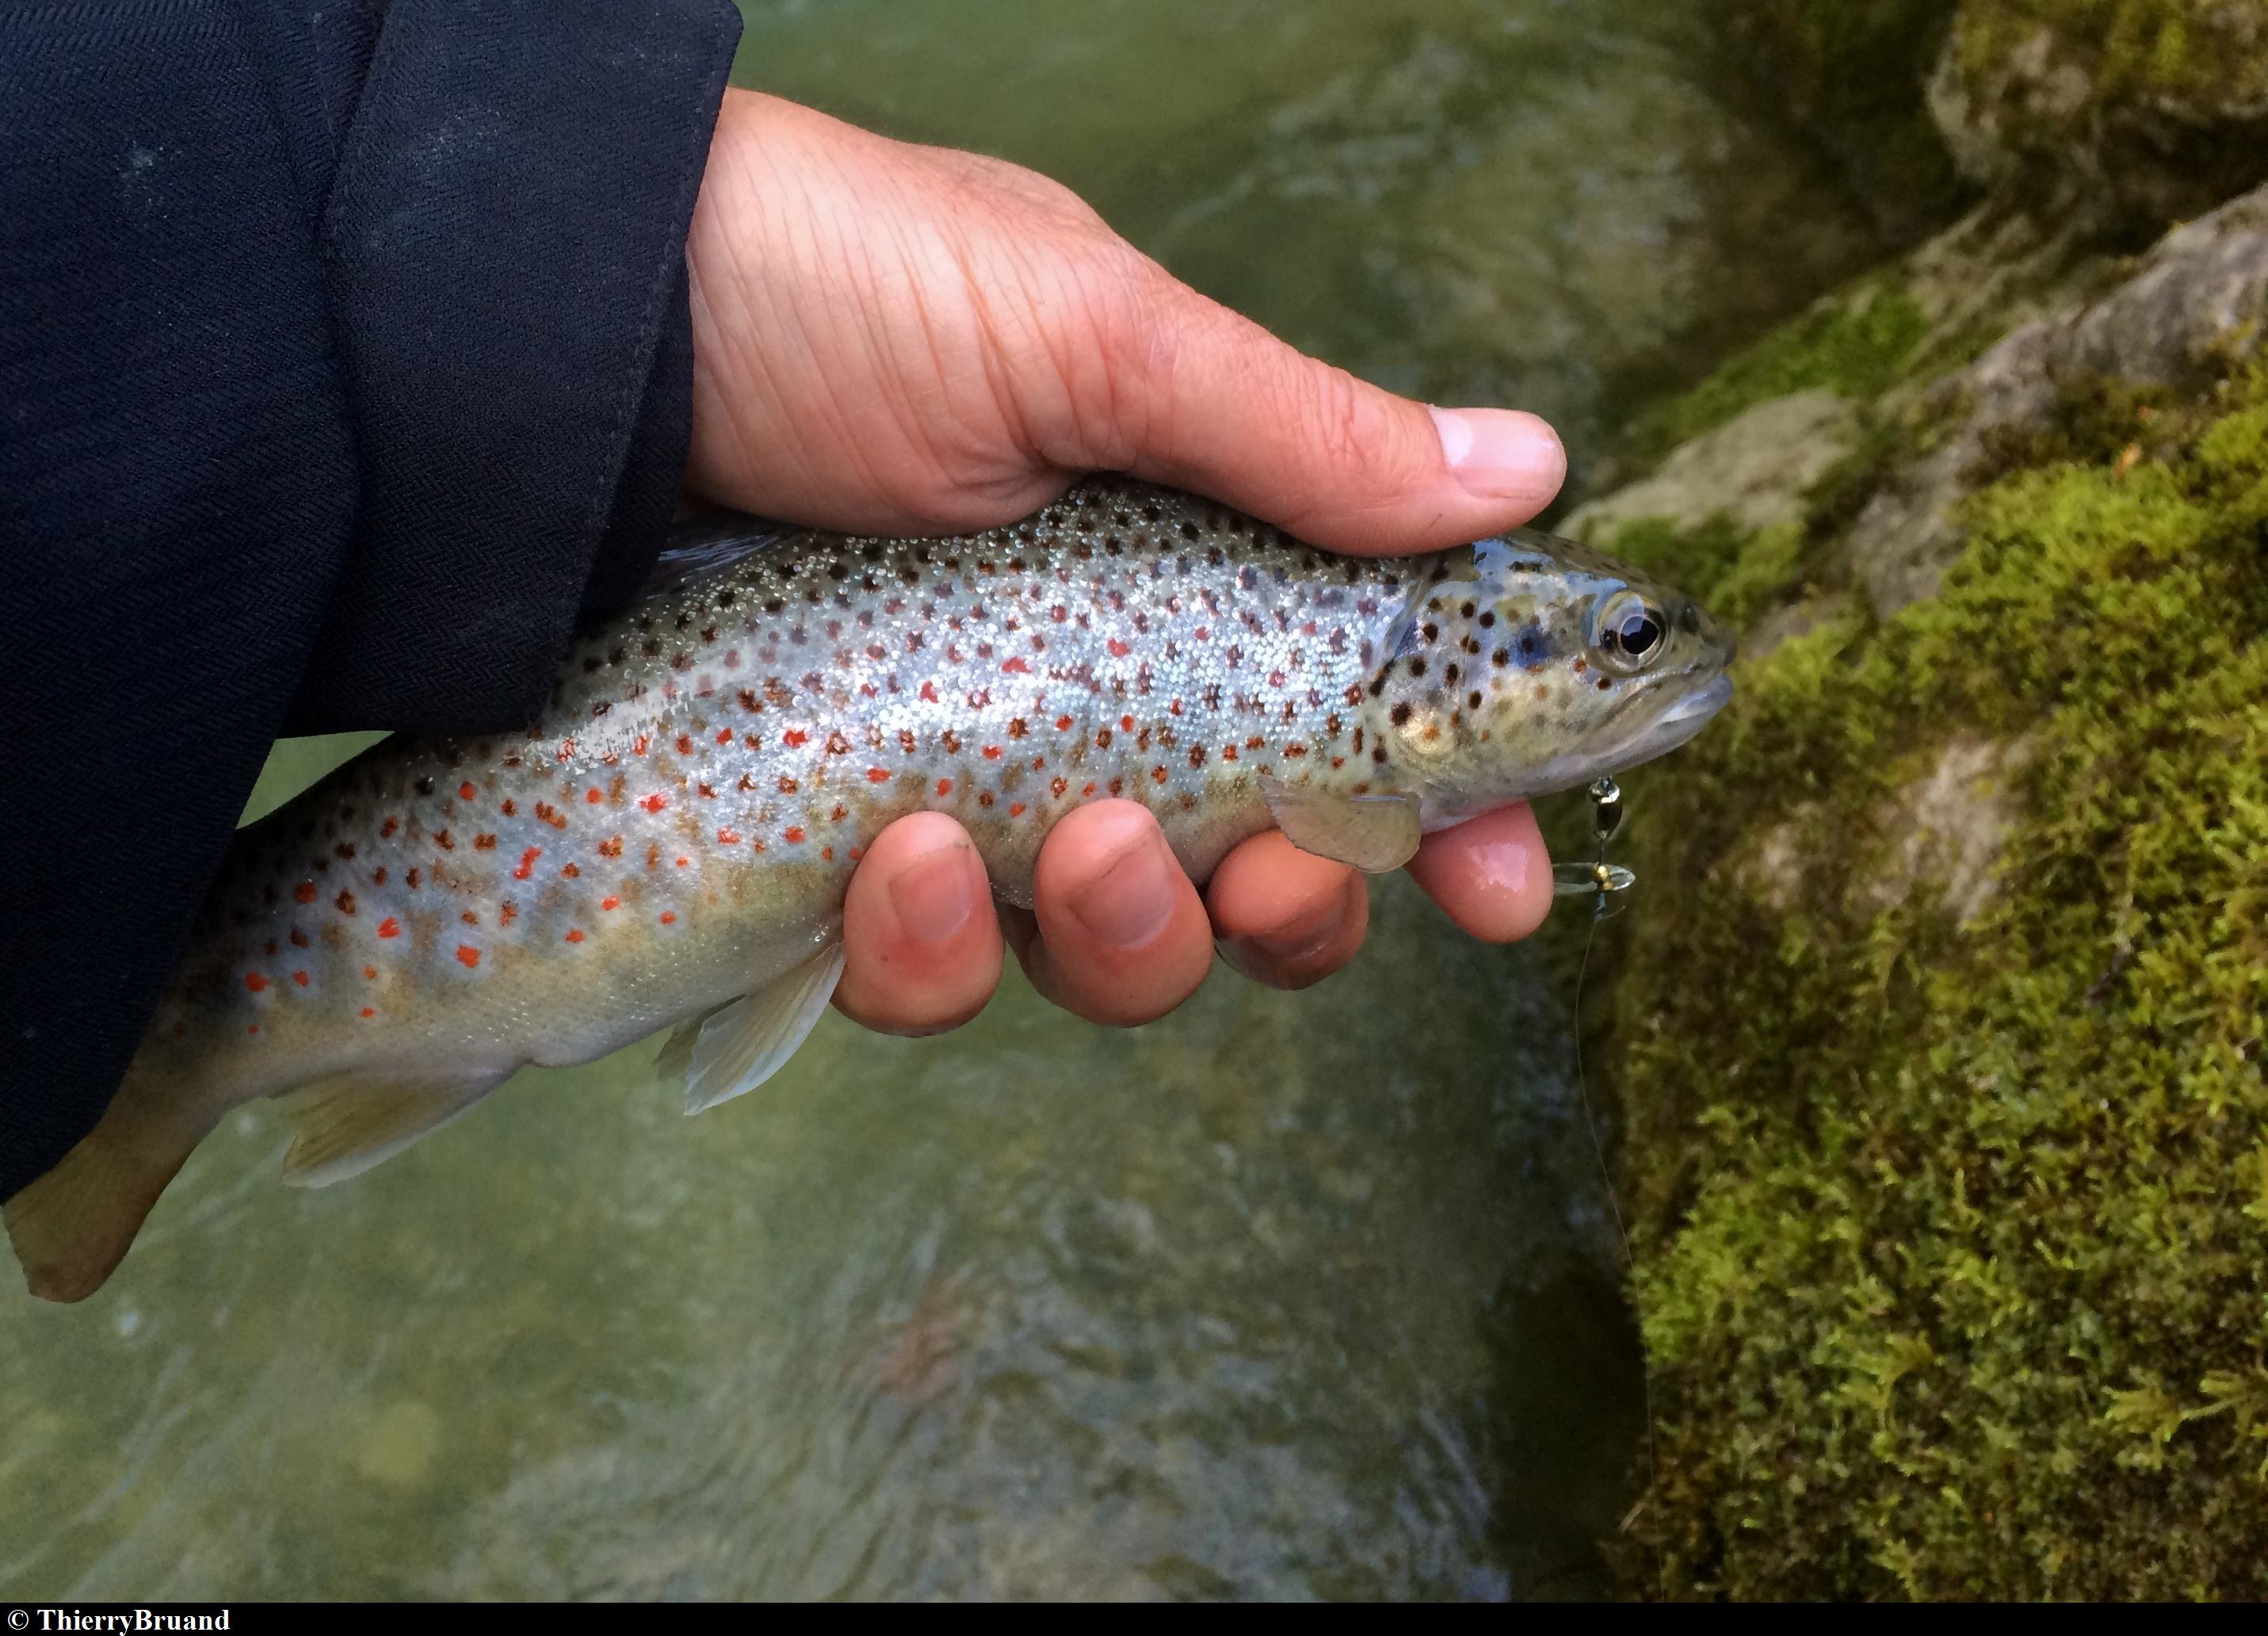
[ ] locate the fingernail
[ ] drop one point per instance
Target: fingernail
(1502, 454)
(1131, 900)
(934, 895)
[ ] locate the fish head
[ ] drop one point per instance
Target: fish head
(1526, 664)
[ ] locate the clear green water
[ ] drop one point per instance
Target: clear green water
(1285, 1296)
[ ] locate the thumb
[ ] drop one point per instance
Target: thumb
(1220, 407)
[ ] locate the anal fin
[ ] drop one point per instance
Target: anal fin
(737, 1046)
(1374, 833)
(341, 1127)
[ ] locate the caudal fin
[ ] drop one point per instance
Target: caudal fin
(74, 1224)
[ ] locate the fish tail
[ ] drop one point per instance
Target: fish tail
(72, 1226)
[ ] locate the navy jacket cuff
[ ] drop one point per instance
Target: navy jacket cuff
(504, 242)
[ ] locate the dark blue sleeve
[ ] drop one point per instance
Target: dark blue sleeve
(344, 359)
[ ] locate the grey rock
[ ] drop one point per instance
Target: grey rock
(2204, 287)
(1948, 828)
(1753, 469)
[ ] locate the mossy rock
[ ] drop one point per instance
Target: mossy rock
(1947, 1164)
(2131, 114)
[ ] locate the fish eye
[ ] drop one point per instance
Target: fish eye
(1630, 632)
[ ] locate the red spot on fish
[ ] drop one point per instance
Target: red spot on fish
(510, 806)
(992, 752)
(574, 934)
(465, 791)
(728, 837)
(654, 803)
(469, 918)
(572, 872)
(685, 744)
(304, 891)
(723, 735)
(299, 938)
(945, 786)
(566, 749)
(668, 917)
(856, 853)
(878, 775)
(1015, 809)
(441, 839)
(253, 981)
(929, 692)
(1016, 668)
(610, 902)
(593, 797)
(468, 956)
(827, 852)
(386, 829)
(299, 977)
(390, 927)
(345, 901)
(794, 738)
(1062, 724)
(1126, 724)
(683, 862)
(507, 913)
(528, 863)
(369, 971)
(368, 1012)
(413, 879)
(252, 1028)
(1057, 787)
(794, 835)
(637, 745)
(1118, 650)
(378, 877)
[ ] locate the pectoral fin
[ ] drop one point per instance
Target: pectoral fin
(737, 1046)
(1374, 833)
(341, 1127)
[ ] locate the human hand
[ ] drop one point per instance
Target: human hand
(896, 339)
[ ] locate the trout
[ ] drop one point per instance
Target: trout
(671, 842)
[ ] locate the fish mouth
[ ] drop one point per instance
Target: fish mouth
(1686, 716)
(1699, 705)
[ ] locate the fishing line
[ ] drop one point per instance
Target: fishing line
(1603, 882)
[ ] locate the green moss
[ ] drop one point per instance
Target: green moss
(1951, 1234)
(1855, 345)
(1734, 572)
(2196, 48)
